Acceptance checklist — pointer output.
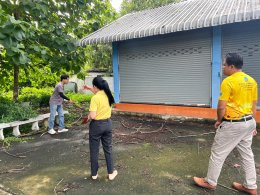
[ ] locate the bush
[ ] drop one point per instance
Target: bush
(80, 97)
(15, 111)
(6, 97)
(37, 97)
(41, 97)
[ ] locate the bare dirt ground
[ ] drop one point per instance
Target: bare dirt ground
(152, 156)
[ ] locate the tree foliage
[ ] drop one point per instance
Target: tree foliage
(37, 77)
(39, 34)
(129, 6)
(100, 56)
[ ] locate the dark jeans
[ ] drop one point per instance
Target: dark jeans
(100, 129)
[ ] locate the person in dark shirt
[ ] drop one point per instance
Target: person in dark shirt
(56, 101)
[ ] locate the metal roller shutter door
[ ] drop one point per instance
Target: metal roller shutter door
(244, 39)
(168, 70)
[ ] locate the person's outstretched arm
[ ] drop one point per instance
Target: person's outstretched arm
(65, 97)
(87, 87)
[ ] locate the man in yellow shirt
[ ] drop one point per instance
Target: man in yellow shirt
(235, 125)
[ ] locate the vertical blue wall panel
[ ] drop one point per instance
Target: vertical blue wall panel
(216, 65)
(115, 71)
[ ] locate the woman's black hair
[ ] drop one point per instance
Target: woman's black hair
(102, 84)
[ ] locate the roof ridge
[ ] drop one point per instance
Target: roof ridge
(175, 17)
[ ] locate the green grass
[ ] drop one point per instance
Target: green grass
(9, 140)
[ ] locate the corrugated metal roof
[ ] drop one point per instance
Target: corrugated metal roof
(187, 15)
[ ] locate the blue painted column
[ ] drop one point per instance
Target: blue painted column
(115, 71)
(216, 65)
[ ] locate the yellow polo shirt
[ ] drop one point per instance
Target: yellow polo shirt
(100, 104)
(239, 90)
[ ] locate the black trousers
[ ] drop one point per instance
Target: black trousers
(100, 130)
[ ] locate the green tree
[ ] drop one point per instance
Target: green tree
(36, 34)
(12, 33)
(129, 6)
(100, 56)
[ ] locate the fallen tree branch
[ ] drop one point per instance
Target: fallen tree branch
(43, 134)
(131, 142)
(68, 187)
(213, 132)
(123, 134)
(33, 133)
(198, 151)
(171, 131)
(125, 126)
(155, 131)
(138, 129)
(227, 187)
(134, 137)
(15, 170)
(117, 142)
(75, 122)
(57, 186)
(26, 151)
(142, 132)
(13, 155)
(7, 190)
(126, 142)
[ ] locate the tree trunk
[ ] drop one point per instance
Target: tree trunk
(16, 83)
(16, 67)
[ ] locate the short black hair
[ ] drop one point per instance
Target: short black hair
(64, 76)
(234, 59)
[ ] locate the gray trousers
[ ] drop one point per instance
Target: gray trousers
(100, 130)
(232, 135)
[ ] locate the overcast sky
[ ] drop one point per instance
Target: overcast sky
(116, 4)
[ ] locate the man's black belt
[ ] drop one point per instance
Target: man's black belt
(246, 118)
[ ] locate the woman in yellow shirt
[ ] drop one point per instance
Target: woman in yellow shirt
(100, 127)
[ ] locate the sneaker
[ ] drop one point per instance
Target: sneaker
(52, 131)
(242, 188)
(94, 177)
(62, 130)
(112, 175)
(203, 183)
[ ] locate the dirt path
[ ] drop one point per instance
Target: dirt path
(152, 156)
